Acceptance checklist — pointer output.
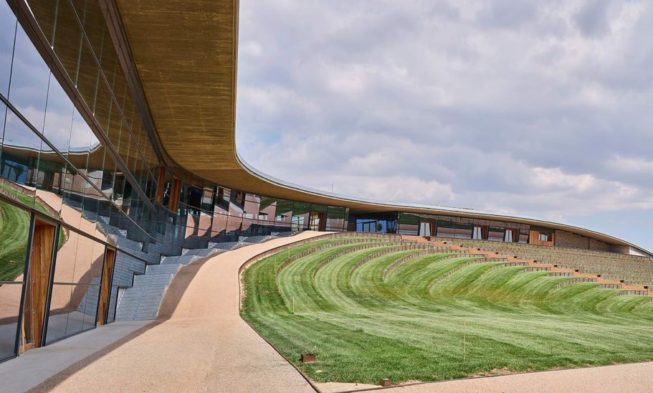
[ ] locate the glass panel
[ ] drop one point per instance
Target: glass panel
(67, 39)
(7, 34)
(44, 13)
(408, 224)
(75, 291)
(93, 197)
(250, 214)
(219, 225)
(29, 81)
(454, 230)
(496, 234)
(103, 104)
(58, 117)
(14, 227)
(234, 225)
(87, 78)
(107, 174)
(19, 159)
(301, 215)
(336, 218)
(94, 27)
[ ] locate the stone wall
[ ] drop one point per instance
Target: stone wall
(571, 240)
(599, 245)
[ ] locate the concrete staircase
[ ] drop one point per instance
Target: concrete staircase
(143, 300)
(143, 275)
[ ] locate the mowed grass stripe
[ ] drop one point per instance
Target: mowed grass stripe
(14, 226)
(437, 316)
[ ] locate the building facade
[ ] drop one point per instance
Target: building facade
(103, 172)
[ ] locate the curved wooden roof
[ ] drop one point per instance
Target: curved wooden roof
(186, 53)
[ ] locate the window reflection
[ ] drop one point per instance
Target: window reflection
(14, 226)
(7, 34)
(20, 153)
(58, 117)
(336, 218)
(29, 81)
(75, 292)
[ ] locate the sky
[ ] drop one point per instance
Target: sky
(528, 108)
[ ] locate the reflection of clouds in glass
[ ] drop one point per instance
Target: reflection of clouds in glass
(17, 134)
(57, 127)
(57, 131)
(7, 30)
(81, 137)
(57, 98)
(29, 79)
(32, 85)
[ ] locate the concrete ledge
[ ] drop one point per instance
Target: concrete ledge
(36, 367)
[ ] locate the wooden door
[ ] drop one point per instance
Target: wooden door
(105, 286)
(37, 284)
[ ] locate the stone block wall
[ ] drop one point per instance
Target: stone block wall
(571, 240)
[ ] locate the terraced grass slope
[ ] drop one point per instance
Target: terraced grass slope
(372, 309)
(631, 268)
(14, 226)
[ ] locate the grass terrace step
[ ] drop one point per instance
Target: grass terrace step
(373, 308)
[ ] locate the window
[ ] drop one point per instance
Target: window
(425, 229)
(545, 237)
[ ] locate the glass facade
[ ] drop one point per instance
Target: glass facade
(74, 153)
(14, 226)
(462, 228)
(56, 179)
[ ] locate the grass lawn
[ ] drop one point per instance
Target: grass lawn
(14, 228)
(435, 317)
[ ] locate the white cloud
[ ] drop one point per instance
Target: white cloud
(535, 108)
(250, 48)
(636, 165)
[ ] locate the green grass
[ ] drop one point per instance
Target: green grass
(14, 226)
(435, 317)
(14, 229)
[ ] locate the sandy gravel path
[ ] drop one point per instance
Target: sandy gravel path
(204, 347)
(623, 378)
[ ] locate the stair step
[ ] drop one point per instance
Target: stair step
(181, 259)
(170, 268)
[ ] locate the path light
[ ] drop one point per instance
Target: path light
(385, 382)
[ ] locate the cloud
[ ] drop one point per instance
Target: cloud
(520, 107)
(593, 18)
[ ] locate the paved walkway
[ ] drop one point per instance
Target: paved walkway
(204, 347)
(631, 378)
(33, 367)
